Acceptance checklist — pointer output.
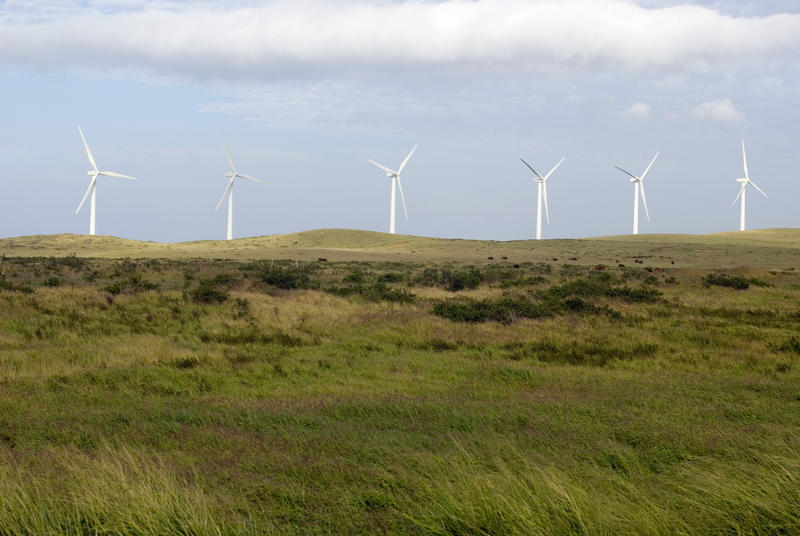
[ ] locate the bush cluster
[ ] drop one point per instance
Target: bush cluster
(504, 309)
(724, 280)
(375, 292)
(131, 285)
(287, 277)
(453, 280)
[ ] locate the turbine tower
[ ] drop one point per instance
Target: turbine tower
(232, 174)
(92, 189)
(395, 176)
(743, 191)
(638, 185)
(542, 183)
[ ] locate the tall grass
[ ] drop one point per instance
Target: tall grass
(522, 495)
(115, 491)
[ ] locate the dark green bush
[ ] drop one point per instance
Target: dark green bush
(600, 287)
(503, 310)
(452, 280)
(286, 277)
(52, 282)
(131, 285)
(791, 345)
(723, 280)
(375, 292)
(390, 277)
(207, 292)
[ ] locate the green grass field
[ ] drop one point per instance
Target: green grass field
(404, 386)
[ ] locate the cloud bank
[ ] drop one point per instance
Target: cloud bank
(290, 38)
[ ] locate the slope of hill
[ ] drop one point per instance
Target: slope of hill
(779, 248)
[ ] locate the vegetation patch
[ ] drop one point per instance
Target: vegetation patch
(287, 277)
(131, 285)
(733, 281)
(592, 353)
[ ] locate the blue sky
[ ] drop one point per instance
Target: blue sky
(307, 90)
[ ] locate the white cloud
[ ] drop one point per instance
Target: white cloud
(721, 110)
(638, 110)
(301, 37)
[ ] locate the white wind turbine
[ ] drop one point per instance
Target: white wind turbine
(395, 176)
(639, 186)
(542, 183)
(94, 173)
(232, 174)
(743, 191)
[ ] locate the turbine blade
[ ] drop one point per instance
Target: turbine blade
(531, 168)
(386, 169)
(402, 197)
(744, 185)
(400, 169)
(552, 170)
(248, 177)
(744, 159)
(627, 172)
(228, 150)
(115, 174)
(88, 152)
(644, 200)
(651, 165)
(544, 195)
(227, 189)
(757, 188)
(86, 195)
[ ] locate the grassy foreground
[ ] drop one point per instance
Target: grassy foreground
(430, 394)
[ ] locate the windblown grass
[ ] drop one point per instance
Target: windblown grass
(225, 397)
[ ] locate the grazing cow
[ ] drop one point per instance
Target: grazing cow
(322, 259)
(600, 267)
(555, 259)
(516, 266)
(504, 258)
(490, 258)
(622, 266)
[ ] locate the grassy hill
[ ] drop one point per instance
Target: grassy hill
(764, 248)
(408, 385)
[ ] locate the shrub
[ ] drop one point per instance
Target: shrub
(791, 345)
(286, 277)
(390, 277)
(600, 287)
(375, 292)
(723, 280)
(503, 310)
(131, 285)
(207, 292)
(453, 281)
(52, 282)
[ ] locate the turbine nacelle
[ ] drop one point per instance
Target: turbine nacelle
(392, 174)
(742, 180)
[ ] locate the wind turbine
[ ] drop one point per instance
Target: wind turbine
(542, 183)
(638, 183)
(395, 176)
(232, 174)
(92, 189)
(743, 191)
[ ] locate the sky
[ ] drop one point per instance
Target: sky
(305, 91)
